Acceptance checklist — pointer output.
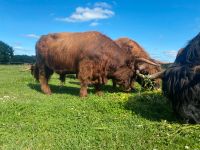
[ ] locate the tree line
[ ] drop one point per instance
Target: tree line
(7, 56)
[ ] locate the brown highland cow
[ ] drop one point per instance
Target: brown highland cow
(91, 55)
(134, 49)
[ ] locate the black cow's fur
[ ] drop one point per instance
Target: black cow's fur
(181, 82)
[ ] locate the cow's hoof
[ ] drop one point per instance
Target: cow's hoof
(99, 93)
(48, 93)
(83, 94)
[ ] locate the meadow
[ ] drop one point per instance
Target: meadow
(116, 120)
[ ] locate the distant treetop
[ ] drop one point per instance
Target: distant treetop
(6, 53)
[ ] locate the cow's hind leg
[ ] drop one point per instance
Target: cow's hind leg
(44, 75)
(62, 78)
(98, 89)
(114, 83)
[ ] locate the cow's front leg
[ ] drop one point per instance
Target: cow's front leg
(85, 75)
(83, 90)
(43, 79)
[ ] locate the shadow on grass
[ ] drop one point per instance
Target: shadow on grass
(57, 89)
(73, 90)
(152, 106)
(105, 88)
(75, 82)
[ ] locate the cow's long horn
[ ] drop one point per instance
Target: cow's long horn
(147, 61)
(163, 63)
(157, 75)
(139, 74)
(160, 62)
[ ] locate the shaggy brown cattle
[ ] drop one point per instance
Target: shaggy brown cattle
(181, 82)
(134, 49)
(91, 55)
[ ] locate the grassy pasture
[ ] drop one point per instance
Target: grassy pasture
(140, 120)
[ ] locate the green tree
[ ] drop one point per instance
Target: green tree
(6, 53)
(20, 59)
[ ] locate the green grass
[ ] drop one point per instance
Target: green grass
(140, 120)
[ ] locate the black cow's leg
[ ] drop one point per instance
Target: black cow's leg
(114, 83)
(98, 89)
(62, 79)
(44, 76)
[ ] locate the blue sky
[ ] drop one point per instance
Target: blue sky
(162, 27)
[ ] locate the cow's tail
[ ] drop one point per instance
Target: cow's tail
(35, 71)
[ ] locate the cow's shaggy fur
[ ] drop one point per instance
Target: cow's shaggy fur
(134, 49)
(181, 82)
(91, 55)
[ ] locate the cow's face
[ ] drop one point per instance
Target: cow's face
(123, 77)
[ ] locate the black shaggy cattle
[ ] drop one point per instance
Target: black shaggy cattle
(181, 82)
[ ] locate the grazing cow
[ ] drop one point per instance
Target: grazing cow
(134, 49)
(181, 82)
(91, 55)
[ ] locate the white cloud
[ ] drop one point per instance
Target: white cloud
(170, 53)
(16, 43)
(18, 47)
(32, 36)
(99, 11)
(155, 56)
(93, 24)
(102, 4)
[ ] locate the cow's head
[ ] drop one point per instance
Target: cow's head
(35, 71)
(123, 77)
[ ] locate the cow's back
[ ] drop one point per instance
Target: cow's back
(132, 47)
(63, 51)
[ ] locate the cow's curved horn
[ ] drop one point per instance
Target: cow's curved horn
(139, 74)
(160, 62)
(147, 61)
(157, 75)
(163, 63)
